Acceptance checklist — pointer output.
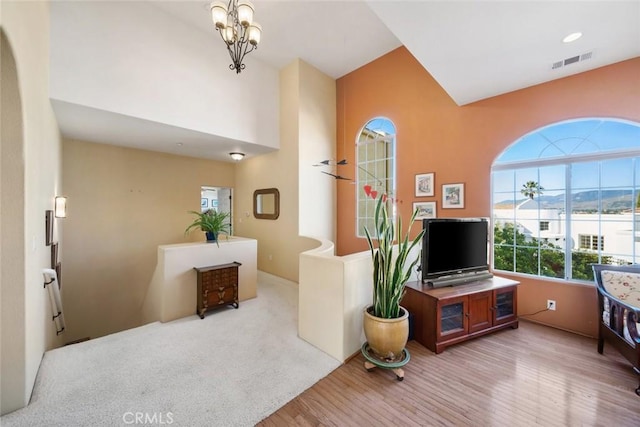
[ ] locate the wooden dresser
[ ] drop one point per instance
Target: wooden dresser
(217, 287)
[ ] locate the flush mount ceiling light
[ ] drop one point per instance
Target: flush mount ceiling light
(572, 37)
(237, 156)
(239, 32)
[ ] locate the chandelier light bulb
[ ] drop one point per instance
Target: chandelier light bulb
(219, 14)
(255, 31)
(245, 13)
(229, 34)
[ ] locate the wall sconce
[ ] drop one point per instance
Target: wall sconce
(61, 207)
(237, 156)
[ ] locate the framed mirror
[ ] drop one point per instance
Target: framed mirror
(266, 203)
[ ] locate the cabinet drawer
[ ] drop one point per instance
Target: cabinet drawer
(218, 297)
(217, 280)
(220, 275)
(216, 287)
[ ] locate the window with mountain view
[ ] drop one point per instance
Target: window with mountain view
(566, 196)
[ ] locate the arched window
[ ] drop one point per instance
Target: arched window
(566, 196)
(376, 169)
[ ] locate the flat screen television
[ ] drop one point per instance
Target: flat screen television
(454, 247)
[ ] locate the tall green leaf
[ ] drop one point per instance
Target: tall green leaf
(389, 273)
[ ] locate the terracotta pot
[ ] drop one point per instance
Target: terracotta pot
(387, 338)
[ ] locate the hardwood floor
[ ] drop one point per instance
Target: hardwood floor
(533, 375)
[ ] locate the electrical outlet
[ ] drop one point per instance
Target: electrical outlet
(551, 305)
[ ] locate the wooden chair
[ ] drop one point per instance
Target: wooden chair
(619, 310)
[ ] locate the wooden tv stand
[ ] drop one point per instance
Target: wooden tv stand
(450, 315)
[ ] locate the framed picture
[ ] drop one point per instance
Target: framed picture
(54, 255)
(48, 227)
(425, 184)
(453, 196)
(425, 209)
(204, 203)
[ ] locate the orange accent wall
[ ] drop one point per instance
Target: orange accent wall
(460, 143)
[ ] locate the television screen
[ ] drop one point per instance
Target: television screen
(453, 246)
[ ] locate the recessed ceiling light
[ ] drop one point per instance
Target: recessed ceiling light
(179, 144)
(572, 37)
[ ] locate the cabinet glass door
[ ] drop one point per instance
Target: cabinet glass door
(505, 305)
(452, 318)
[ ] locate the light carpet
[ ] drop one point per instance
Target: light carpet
(233, 368)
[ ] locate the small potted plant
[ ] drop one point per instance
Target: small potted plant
(386, 323)
(211, 222)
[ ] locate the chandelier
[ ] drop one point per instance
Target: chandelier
(239, 32)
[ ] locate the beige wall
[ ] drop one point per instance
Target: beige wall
(122, 204)
(307, 132)
(33, 151)
(12, 232)
(316, 142)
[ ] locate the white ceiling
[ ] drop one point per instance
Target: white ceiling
(479, 49)
(474, 49)
(334, 36)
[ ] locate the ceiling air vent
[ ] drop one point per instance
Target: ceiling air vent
(572, 60)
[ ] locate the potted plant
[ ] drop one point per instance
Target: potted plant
(386, 323)
(211, 222)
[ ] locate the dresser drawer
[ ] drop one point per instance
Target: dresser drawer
(222, 296)
(215, 281)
